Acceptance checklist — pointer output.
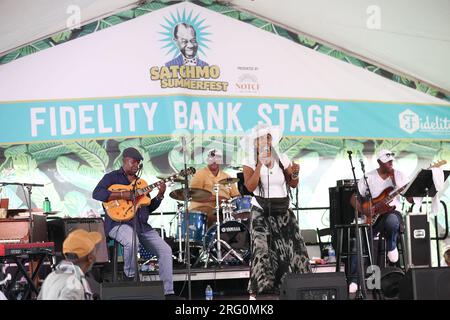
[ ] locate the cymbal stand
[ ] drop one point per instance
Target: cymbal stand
(219, 248)
(180, 245)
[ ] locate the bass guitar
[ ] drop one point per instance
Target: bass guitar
(121, 210)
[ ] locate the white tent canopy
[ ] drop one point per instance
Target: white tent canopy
(410, 38)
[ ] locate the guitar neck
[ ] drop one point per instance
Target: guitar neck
(150, 187)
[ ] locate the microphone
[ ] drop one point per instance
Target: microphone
(141, 165)
(349, 152)
(362, 164)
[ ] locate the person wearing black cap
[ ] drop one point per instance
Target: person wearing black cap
(123, 231)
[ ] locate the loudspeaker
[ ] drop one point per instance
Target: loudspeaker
(341, 211)
(147, 290)
(59, 229)
(314, 286)
(418, 240)
(426, 284)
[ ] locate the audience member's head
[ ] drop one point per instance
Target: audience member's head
(80, 248)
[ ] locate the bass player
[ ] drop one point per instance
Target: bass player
(389, 222)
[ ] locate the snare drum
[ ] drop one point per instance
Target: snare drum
(197, 227)
(242, 207)
(236, 235)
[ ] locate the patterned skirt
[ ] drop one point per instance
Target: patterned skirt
(277, 249)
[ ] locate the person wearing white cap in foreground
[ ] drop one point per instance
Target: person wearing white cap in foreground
(388, 224)
(277, 246)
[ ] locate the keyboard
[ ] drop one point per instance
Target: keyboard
(16, 249)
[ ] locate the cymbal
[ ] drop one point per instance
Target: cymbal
(228, 180)
(193, 194)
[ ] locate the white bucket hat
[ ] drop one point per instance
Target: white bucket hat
(247, 142)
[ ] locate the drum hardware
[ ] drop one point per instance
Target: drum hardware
(218, 242)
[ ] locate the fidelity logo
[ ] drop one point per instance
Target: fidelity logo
(410, 122)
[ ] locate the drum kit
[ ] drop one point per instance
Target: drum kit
(225, 242)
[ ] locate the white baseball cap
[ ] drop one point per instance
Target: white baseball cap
(386, 155)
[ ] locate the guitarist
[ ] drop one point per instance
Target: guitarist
(389, 223)
(123, 231)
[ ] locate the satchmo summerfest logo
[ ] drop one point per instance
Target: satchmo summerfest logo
(185, 39)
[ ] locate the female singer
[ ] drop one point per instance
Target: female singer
(276, 243)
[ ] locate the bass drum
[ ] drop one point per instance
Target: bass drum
(236, 235)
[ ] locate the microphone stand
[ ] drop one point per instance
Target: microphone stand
(186, 217)
(361, 293)
(369, 197)
(135, 217)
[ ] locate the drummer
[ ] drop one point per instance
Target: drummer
(205, 179)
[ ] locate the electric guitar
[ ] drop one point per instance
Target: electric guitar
(380, 204)
(121, 210)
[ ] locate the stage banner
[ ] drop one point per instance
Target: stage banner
(186, 68)
(173, 115)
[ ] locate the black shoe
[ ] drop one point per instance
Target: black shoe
(174, 297)
(127, 279)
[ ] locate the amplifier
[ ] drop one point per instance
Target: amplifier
(346, 183)
(58, 230)
(314, 286)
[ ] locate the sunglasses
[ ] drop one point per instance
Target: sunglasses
(390, 154)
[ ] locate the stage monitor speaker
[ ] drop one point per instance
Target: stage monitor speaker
(426, 284)
(341, 211)
(58, 230)
(314, 286)
(147, 290)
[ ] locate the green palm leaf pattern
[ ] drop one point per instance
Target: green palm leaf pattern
(80, 175)
(108, 22)
(293, 146)
(148, 7)
(75, 203)
(47, 150)
(262, 24)
(62, 36)
(156, 146)
(91, 152)
(16, 150)
(395, 146)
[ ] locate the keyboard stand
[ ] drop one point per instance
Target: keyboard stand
(19, 261)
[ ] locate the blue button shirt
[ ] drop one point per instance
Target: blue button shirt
(101, 193)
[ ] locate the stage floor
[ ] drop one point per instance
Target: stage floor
(228, 282)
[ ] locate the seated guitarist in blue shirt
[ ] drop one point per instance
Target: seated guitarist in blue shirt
(123, 231)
